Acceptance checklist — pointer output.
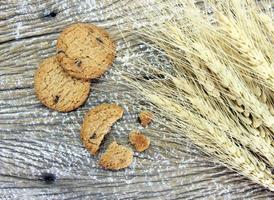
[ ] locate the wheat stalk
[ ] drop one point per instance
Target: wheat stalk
(243, 30)
(208, 135)
(181, 39)
(248, 136)
(230, 80)
(215, 106)
(267, 25)
(243, 24)
(227, 78)
(254, 60)
(205, 79)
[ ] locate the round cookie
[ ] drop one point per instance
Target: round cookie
(56, 89)
(85, 51)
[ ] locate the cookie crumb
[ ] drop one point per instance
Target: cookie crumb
(145, 118)
(139, 140)
(116, 157)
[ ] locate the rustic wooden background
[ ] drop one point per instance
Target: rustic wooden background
(35, 140)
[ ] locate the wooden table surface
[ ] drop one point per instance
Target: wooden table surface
(35, 140)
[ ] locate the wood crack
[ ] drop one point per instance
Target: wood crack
(28, 37)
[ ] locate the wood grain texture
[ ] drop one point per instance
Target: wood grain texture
(35, 140)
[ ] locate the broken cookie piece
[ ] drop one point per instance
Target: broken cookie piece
(116, 157)
(145, 118)
(97, 123)
(139, 140)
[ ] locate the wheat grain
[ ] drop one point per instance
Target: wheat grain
(198, 47)
(267, 24)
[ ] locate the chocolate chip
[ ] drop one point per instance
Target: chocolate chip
(78, 62)
(99, 40)
(56, 99)
(49, 178)
(60, 51)
(92, 137)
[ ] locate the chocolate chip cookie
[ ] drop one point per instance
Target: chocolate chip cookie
(85, 51)
(58, 90)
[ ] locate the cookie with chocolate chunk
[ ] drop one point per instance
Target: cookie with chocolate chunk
(85, 51)
(58, 90)
(97, 123)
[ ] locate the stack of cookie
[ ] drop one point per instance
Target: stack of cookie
(84, 52)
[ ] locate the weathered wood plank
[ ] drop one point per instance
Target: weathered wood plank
(34, 139)
(37, 17)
